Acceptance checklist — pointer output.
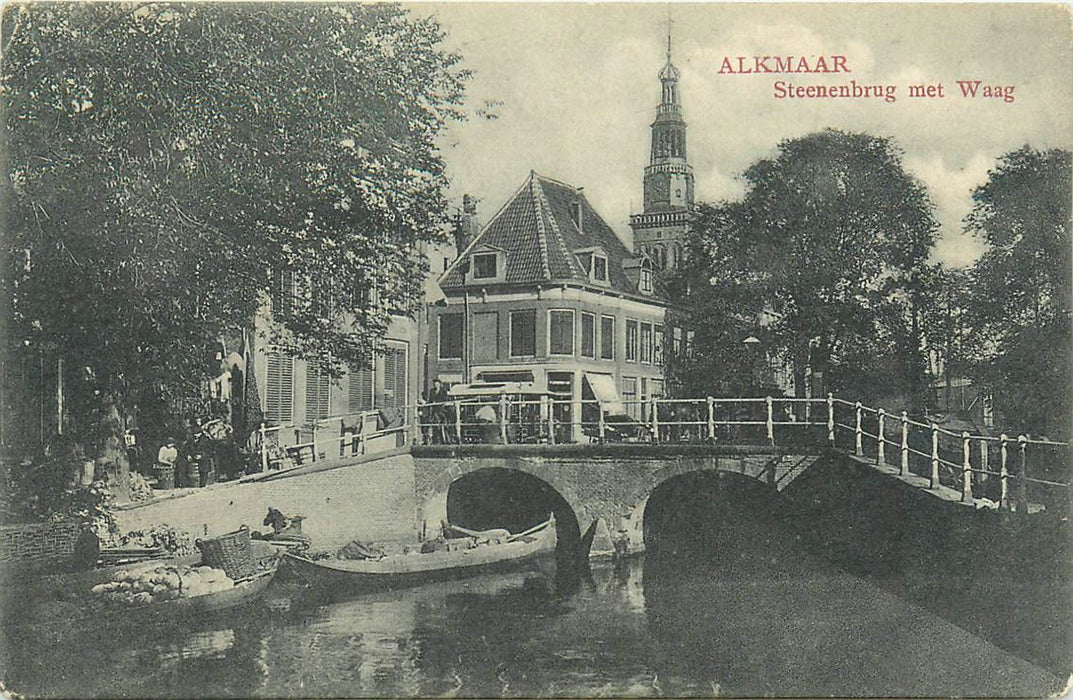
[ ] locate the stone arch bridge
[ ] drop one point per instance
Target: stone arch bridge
(608, 484)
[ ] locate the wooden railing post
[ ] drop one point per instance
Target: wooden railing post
(654, 418)
(770, 420)
(831, 419)
(602, 425)
(551, 421)
(933, 482)
(711, 418)
(503, 418)
(881, 450)
(903, 470)
(966, 468)
(1022, 476)
(1004, 493)
(858, 447)
(264, 447)
(458, 422)
(313, 439)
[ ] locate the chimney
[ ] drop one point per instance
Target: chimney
(467, 226)
(576, 211)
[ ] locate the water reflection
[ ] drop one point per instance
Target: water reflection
(758, 620)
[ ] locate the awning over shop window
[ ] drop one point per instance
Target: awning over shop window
(603, 387)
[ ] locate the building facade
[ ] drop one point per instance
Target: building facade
(660, 228)
(548, 294)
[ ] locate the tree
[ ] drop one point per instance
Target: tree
(168, 164)
(946, 321)
(1021, 291)
(832, 235)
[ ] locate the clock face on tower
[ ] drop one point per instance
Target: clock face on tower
(660, 189)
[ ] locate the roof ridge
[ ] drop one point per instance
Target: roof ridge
(542, 235)
(480, 234)
(556, 182)
(571, 261)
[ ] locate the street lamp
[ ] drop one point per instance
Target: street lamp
(752, 349)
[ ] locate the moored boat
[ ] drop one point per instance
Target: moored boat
(530, 551)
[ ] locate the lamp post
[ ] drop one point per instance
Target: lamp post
(752, 350)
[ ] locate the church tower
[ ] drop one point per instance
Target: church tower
(668, 180)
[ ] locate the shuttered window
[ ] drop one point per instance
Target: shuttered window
(318, 392)
(279, 389)
(360, 389)
(394, 378)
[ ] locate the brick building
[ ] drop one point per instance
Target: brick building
(547, 293)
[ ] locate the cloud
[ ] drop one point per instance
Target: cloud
(951, 189)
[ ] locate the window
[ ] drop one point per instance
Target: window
(646, 280)
(279, 388)
(656, 388)
(484, 266)
(631, 340)
(394, 388)
(599, 268)
(360, 389)
(629, 396)
(646, 342)
(607, 337)
(318, 391)
(677, 348)
(561, 332)
(588, 335)
(523, 333)
(451, 336)
(657, 352)
(561, 384)
(484, 336)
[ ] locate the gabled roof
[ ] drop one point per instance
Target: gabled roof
(536, 230)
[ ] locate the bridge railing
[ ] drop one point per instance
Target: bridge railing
(1018, 471)
(1007, 470)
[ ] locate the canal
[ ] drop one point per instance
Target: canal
(725, 602)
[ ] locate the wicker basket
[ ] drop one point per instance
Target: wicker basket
(230, 552)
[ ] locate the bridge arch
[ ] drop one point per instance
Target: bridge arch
(435, 503)
(630, 526)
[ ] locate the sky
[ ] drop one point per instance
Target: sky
(574, 89)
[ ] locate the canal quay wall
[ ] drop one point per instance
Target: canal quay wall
(371, 499)
(1006, 577)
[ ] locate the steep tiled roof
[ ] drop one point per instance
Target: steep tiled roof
(536, 230)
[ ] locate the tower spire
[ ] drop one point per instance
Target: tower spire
(669, 23)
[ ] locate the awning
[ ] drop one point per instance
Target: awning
(603, 387)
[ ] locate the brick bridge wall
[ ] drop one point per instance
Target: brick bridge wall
(611, 483)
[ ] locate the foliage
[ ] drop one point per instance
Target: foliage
(47, 489)
(946, 320)
(829, 242)
(1021, 290)
(168, 164)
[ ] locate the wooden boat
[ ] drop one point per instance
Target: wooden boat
(244, 591)
(532, 550)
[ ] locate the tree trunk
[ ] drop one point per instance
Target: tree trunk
(112, 456)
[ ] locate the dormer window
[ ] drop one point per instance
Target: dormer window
(645, 283)
(485, 266)
(594, 263)
(599, 268)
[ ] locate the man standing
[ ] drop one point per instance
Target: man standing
(165, 464)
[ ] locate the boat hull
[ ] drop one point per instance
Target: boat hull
(405, 571)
